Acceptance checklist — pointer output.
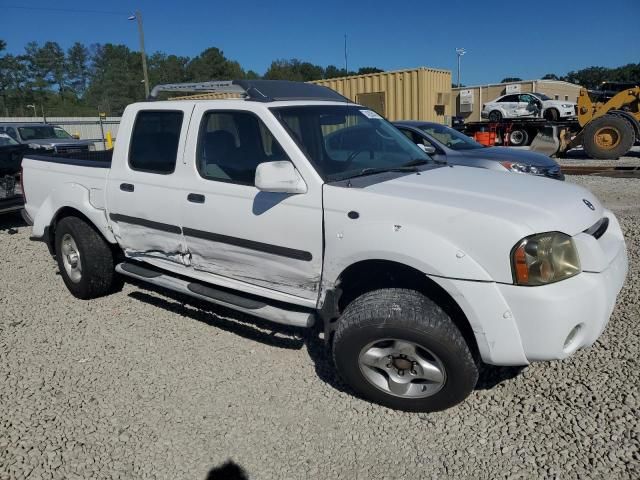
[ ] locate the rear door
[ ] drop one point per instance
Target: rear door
(238, 236)
(143, 202)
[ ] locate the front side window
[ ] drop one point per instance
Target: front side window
(154, 141)
(61, 133)
(39, 132)
(346, 141)
(232, 145)
(451, 137)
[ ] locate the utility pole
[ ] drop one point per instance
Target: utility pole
(460, 52)
(138, 16)
(346, 62)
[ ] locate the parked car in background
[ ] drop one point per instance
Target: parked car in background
(448, 145)
(522, 105)
(46, 137)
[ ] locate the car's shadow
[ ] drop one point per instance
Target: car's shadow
(278, 336)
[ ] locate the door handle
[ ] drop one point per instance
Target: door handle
(195, 198)
(127, 187)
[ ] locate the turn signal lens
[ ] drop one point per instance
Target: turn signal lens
(544, 258)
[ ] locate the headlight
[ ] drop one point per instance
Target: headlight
(522, 168)
(567, 105)
(544, 258)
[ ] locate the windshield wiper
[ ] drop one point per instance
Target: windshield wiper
(405, 167)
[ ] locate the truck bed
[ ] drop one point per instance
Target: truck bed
(46, 176)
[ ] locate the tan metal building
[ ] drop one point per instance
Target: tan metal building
(467, 102)
(415, 94)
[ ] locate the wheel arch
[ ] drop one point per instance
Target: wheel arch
(373, 274)
(64, 212)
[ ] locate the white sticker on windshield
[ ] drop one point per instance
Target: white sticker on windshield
(371, 114)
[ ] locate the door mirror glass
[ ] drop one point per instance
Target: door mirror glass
(280, 176)
(429, 149)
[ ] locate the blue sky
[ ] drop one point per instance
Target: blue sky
(502, 37)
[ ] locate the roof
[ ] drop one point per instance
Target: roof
(519, 82)
(253, 90)
(386, 72)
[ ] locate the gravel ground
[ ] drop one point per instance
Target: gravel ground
(143, 385)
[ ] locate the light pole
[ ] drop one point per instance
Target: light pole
(459, 52)
(138, 16)
(35, 114)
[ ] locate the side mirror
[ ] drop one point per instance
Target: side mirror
(428, 149)
(280, 176)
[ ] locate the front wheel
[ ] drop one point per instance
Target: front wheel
(495, 116)
(552, 115)
(399, 349)
(85, 260)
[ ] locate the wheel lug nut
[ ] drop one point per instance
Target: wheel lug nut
(401, 373)
(388, 365)
(413, 372)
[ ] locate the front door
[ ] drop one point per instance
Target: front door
(142, 199)
(238, 236)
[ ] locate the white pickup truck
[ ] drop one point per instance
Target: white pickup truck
(295, 205)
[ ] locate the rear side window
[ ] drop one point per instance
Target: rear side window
(154, 142)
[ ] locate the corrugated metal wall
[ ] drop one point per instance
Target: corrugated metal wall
(87, 127)
(417, 94)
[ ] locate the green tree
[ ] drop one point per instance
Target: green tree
(116, 79)
(167, 68)
(551, 76)
(294, 70)
(211, 64)
(511, 79)
(367, 70)
(77, 69)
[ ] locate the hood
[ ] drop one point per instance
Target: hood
(502, 154)
(539, 204)
(59, 142)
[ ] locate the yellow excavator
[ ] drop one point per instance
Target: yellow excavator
(608, 129)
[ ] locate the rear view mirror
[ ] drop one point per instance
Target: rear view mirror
(280, 176)
(428, 149)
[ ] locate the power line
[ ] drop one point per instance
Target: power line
(64, 10)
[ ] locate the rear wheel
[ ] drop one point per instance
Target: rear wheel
(85, 260)
(518, 137)
(399, 349)
(608, 137)
(495, 116)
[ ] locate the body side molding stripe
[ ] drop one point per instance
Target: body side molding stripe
(250, 244)
(116, 217)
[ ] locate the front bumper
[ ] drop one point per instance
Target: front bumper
(517, 325)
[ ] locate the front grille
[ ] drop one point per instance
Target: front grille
(599, 228)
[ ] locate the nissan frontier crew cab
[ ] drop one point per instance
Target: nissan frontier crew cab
(293, 204)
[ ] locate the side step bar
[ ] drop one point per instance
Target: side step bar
(259, 308)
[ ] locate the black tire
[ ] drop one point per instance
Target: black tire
(409, 316)
(518, 137)
(551, 114)
(608, 137)
(98, 276)
(495, 116)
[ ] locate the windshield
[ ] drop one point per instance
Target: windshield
(346, 141)
(542, 96)
(61, 132)
(38, 132)
(6, 140)
(450, 138)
